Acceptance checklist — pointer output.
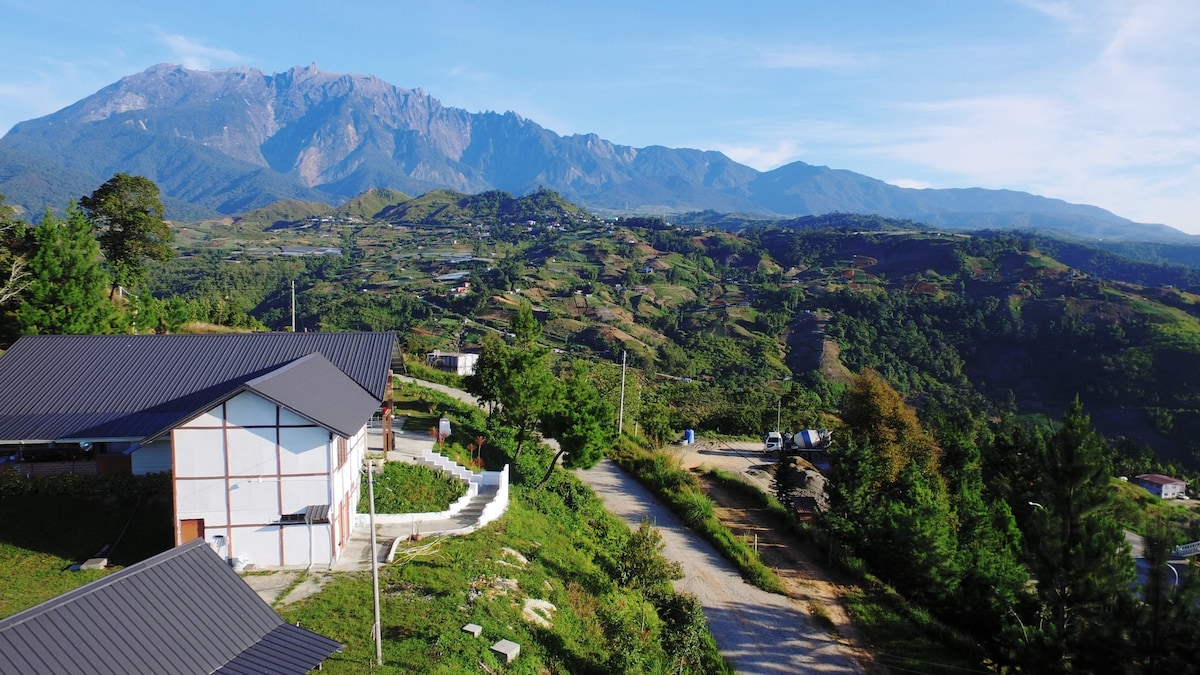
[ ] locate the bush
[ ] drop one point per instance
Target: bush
(411, 488)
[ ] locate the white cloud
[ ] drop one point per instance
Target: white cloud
(762, 156)
(808, 57)
(1119, 129)
(1060, 10)
(192, 53)
(909, 183)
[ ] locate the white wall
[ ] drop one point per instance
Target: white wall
(243, 464)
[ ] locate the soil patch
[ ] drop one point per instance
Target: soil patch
(816, 589)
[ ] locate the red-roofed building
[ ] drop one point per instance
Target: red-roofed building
(1162, 486)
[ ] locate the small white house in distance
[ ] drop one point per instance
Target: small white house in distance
(264, 434)
(453, 362)
(1162, 486)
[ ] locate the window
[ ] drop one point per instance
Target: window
(343, 451)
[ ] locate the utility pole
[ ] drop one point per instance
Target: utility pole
(778, 414)
(293, 305)
(377, 630)
(621, 415)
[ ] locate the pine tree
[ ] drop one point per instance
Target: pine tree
(1167, 638)
(785, 481)
(877, 414)
(853, 483)
(989, 545)
(914, 543)
(66, 294)
(1077, 550)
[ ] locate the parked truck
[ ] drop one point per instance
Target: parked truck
(807, 443)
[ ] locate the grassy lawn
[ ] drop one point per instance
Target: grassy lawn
(54, 522)
(556, 546)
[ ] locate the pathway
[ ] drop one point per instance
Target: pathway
(758, 632)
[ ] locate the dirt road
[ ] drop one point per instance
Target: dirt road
(758, 632)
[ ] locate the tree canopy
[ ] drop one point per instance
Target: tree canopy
(128, 214)
(66, 293)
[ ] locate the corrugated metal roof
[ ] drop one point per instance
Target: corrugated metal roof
(181, 611)
(336, 402)
(1159, 479)
(62, 387)
(286, 649)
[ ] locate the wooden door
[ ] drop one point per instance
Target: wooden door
(191, 529)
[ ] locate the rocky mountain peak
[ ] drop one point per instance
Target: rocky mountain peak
(234, 139)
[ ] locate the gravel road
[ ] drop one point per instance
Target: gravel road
(758, 632)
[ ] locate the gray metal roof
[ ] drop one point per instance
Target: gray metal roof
(85, 387)
(181, 611)
(316, 389)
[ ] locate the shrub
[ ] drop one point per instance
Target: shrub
(411, 488)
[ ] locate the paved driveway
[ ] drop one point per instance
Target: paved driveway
(758, 632)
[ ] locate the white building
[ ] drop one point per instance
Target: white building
(264, 433)
(1163, 486)
(453, 362)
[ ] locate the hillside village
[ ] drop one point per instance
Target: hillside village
(667, 329)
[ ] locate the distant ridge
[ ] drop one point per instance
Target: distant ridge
(229, 141)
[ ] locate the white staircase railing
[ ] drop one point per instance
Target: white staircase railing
(1188, 549)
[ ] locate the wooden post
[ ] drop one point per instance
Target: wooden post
(389, 405)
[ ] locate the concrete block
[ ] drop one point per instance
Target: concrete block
(507, 649)
(474, 629)
(94, 564)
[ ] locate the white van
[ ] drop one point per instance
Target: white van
(773, 442)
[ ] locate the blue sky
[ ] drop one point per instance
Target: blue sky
(1091, 101)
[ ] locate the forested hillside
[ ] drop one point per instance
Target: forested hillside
(720, 324)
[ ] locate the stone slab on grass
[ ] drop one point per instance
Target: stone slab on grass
(507, 649)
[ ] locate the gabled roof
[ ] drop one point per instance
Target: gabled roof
(1159, 479)
(88, 387)
(336, 403)
(182, 611)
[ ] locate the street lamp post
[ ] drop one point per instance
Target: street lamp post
(378, 633)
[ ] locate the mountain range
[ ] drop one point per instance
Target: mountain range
(227, 141)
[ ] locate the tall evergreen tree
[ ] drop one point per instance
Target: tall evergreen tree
(127, 213)
(914, 544)
(66, 294)
(1077, 550)
(1167, 638)
(853, 483)
(989, 546)
(877, 414)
